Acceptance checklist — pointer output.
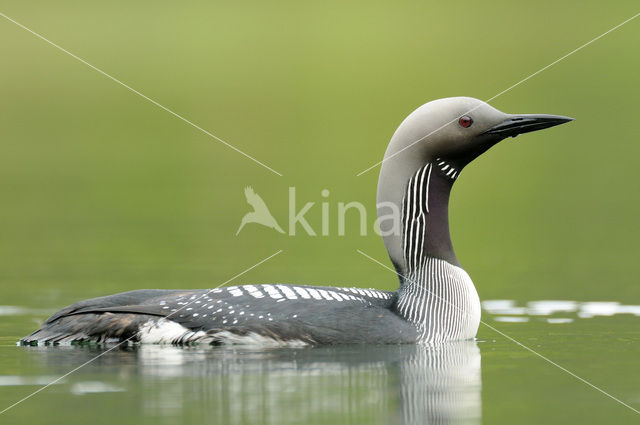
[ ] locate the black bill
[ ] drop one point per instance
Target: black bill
(518, 124)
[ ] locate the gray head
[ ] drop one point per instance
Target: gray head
(459, 129)
(452, 131)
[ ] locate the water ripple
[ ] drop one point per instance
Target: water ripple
(509, 311)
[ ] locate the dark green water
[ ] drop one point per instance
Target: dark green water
(103, 192)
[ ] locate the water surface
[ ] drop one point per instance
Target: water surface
(491, 380)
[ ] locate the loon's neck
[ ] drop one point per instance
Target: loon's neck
(426, 214)
(435, 293)
(421, 195)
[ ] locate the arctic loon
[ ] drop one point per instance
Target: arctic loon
(436, 300)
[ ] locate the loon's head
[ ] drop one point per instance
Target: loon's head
(448, 134)
(459, 129)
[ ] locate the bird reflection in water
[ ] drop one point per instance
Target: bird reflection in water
(405, 384)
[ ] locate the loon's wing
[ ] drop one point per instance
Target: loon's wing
(263, 314)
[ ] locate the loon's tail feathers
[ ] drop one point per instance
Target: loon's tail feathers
(88, 327)
(113, 318)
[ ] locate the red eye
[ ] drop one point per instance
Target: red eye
(465, 121)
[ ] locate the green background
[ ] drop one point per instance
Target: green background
(102, 191)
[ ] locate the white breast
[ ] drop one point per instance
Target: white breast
(441, 300)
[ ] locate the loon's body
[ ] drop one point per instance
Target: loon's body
(436, 300)
(270, 315)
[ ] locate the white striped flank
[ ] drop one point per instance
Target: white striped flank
(256, 340)
(165, 331)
